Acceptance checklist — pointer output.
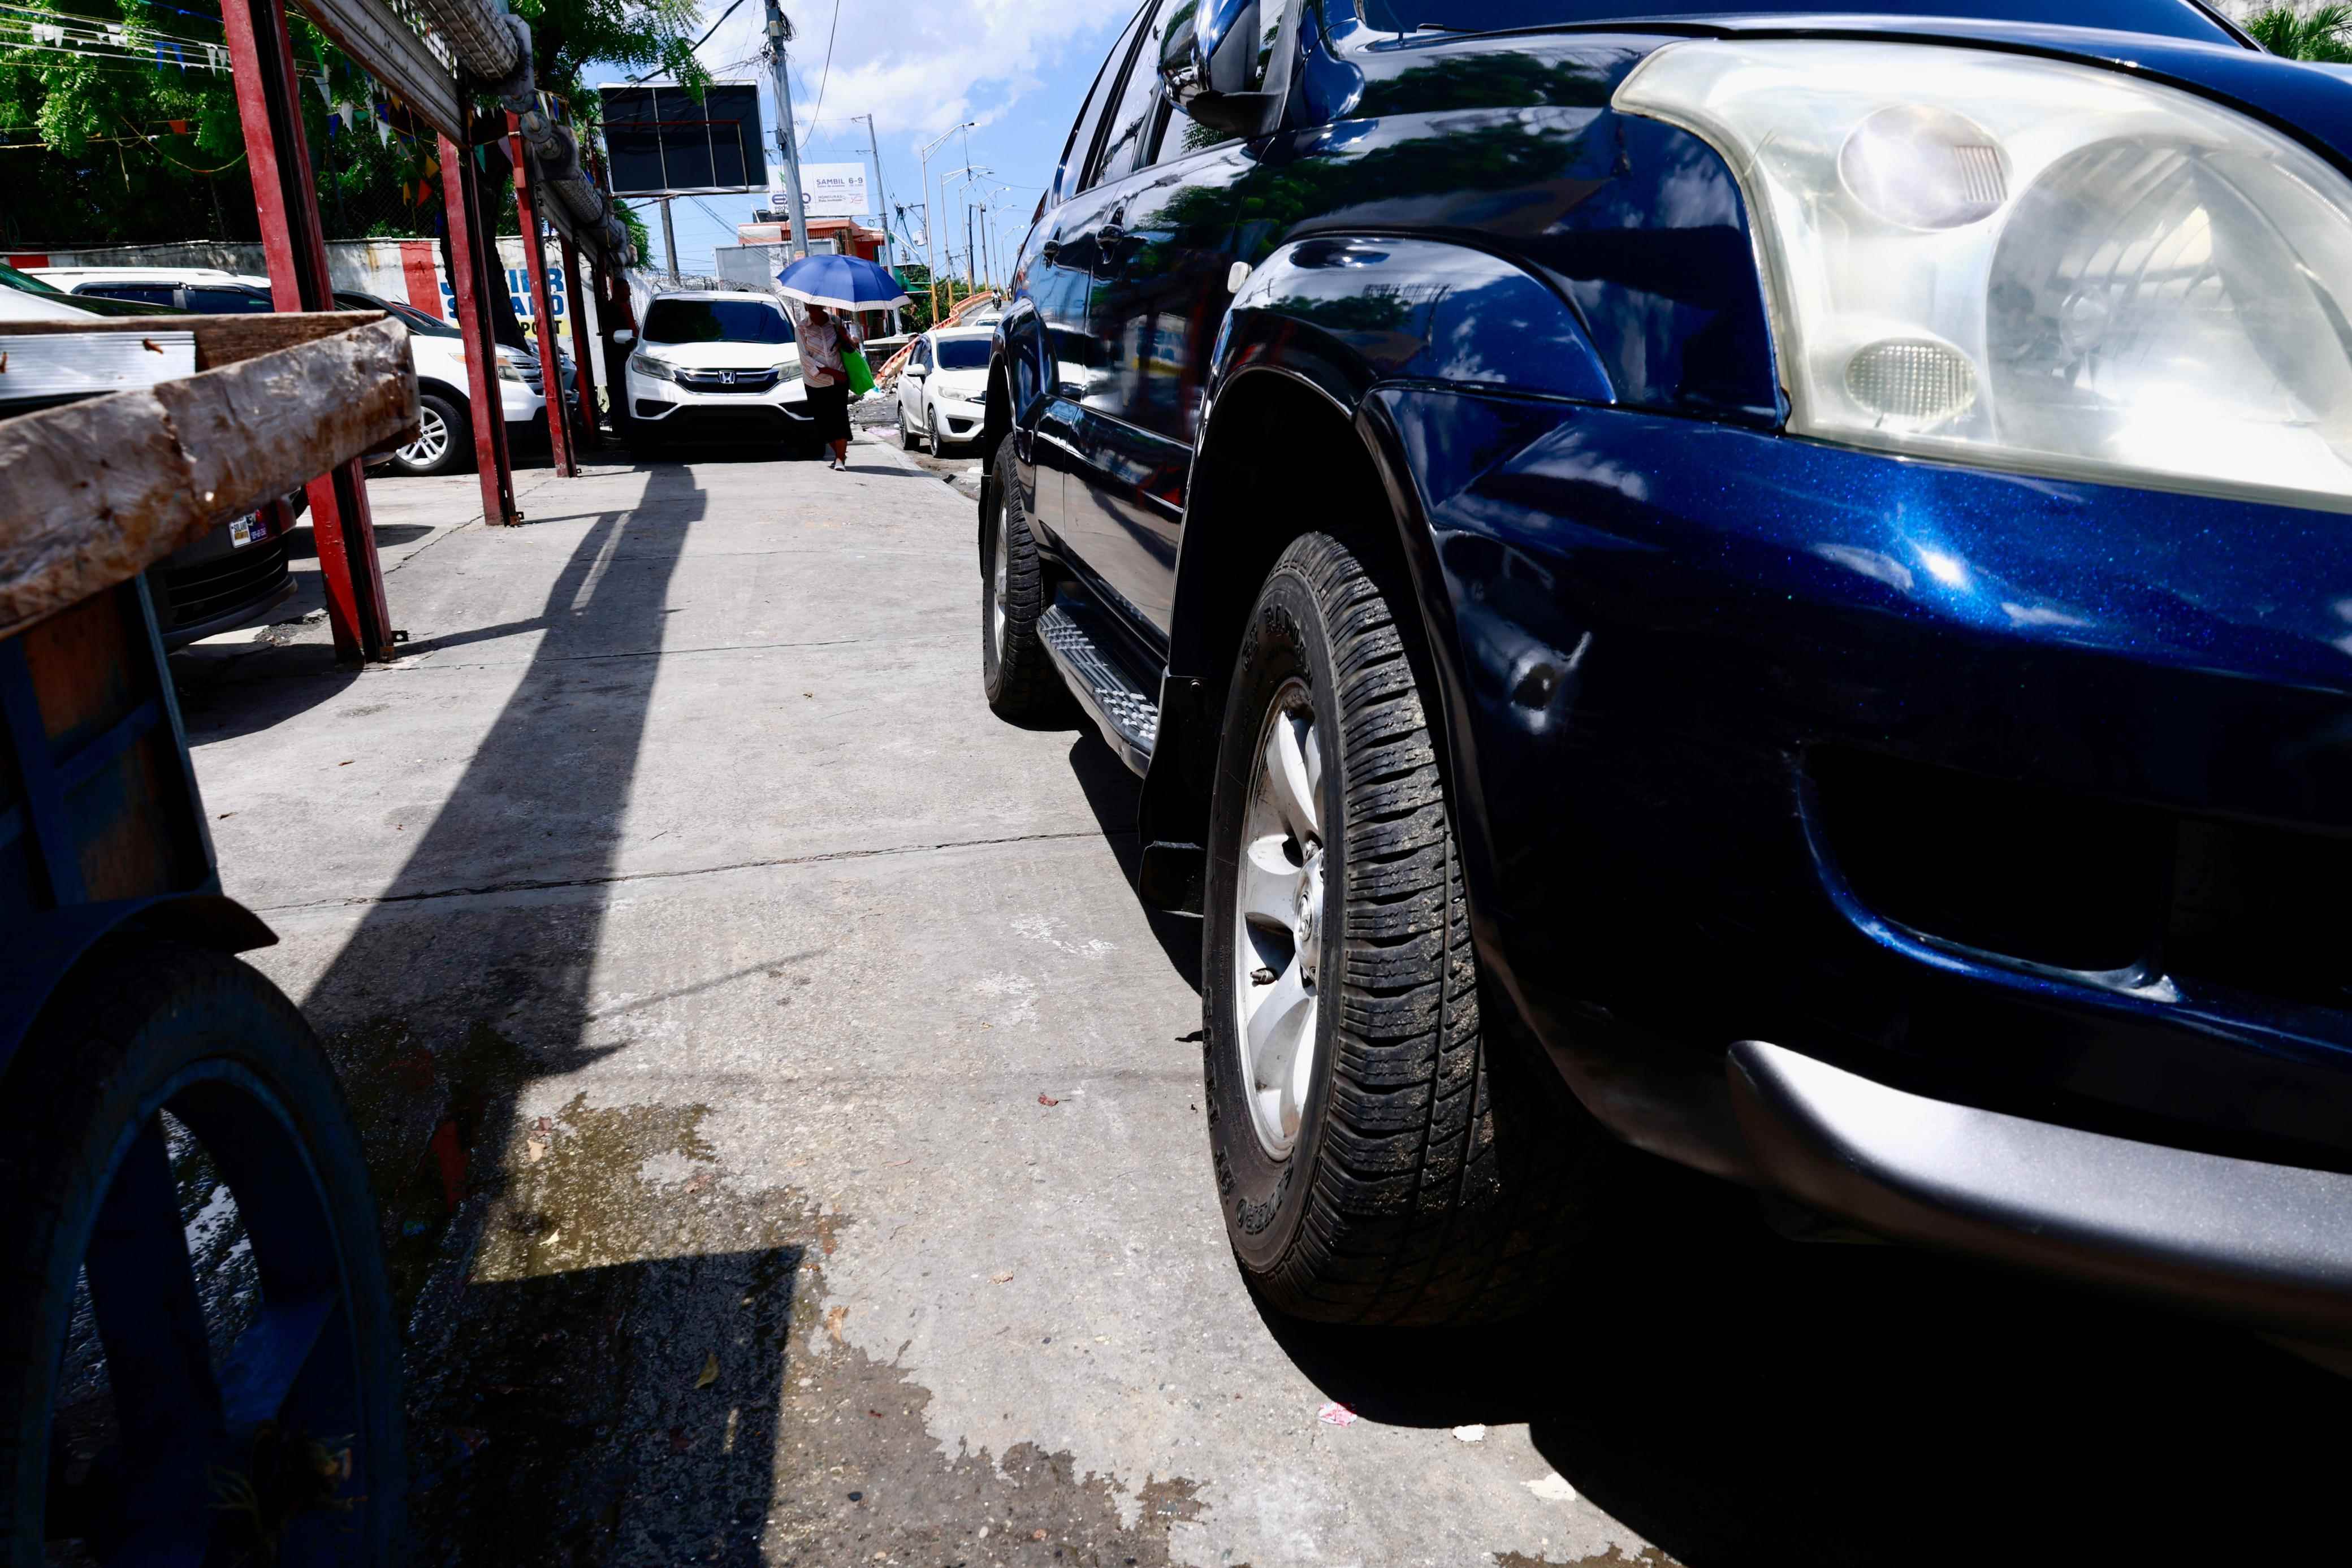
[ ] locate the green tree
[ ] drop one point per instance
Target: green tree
(2323, 33)
(566, 36)
(92, 149)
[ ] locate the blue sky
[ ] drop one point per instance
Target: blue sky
(1017, 66)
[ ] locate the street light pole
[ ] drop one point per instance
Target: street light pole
(881, 203)
(967, 173)
(995, 232)
(930, 214)
(779, 32)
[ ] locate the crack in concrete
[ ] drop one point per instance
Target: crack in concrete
(401, 666)
(554, 884)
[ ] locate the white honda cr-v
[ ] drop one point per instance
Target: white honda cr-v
(717, 367)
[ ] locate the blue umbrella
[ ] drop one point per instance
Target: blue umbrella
(841, 283)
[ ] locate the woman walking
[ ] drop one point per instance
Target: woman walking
(824, 337)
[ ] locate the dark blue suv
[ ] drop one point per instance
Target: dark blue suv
(1770, 582)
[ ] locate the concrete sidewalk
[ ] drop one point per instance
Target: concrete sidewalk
(788, 1124)
(796, 1020)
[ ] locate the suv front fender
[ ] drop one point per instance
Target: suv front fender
(1328, 319)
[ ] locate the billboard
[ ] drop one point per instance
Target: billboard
(829, 190)
(665, 143)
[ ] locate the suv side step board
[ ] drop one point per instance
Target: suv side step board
(1081, 645)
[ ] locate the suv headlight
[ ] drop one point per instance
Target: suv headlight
(646, 365)
(508, 370)
(2032, 265)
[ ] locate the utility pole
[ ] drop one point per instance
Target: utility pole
(669, 239)
(969, 175)
(779, 32)
(971, 266)
(930, 212)
(881, 205)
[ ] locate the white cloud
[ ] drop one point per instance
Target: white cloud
(919, 68)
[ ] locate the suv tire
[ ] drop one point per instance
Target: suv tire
(444, 419)
(1015, 669)
(1387, 1178)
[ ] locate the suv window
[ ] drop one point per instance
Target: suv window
(145, 293)
(1075, 160)
(226, 301)
(715, 321)
(1138, 91)
(1180, 133)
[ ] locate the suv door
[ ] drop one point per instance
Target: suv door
(1162, 261)
(1056, 278)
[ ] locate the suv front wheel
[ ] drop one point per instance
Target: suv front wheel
(1369, 1168)
(1015, 671)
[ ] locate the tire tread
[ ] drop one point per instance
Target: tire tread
(1412, 1218)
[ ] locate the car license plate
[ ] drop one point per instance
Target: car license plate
(245, 530)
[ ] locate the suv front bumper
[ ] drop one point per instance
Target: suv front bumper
(777, 412)
(2251, 1242)
(2019, 807)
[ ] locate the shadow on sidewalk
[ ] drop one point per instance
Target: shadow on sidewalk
(557, 1412)
(1739, 1399)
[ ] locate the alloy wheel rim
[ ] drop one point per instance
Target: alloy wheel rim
(1279, 921)
(432, 440)
(999, 573)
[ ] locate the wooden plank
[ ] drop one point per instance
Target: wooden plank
(96, 491)
(220, 339)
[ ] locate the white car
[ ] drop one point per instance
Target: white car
(713, 365)
(944, 386)
(444, 435)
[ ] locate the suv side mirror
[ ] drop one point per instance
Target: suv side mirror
(623, 337)
(1215, 59)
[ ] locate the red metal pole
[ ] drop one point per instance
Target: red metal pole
(294, 238)
(534, 261)
(574, 294)
(468, 235)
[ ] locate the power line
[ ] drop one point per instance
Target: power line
(697, 43)
(818, 112)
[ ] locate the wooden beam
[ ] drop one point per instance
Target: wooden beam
(94, 491)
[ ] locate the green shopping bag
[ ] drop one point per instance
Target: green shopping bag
(860, 374)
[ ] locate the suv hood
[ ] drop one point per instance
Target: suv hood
(722, 356)
(1579, 66)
